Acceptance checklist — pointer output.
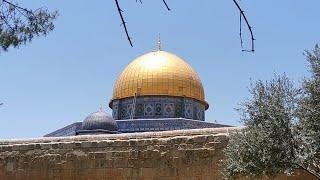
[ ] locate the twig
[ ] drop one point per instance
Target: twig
(18, 7)
(123, 22)
(2, 17)
(241, 41)
(248, 25)
(311, 172)
(165, 3)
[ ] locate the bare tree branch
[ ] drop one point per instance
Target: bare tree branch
(248, 25)
(311, 172)
(123, 22)
(16, 6)
(240, 30)
(165, 3)
(242, 16)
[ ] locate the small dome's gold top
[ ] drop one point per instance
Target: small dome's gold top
(159, 73)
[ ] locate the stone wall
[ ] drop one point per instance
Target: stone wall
(169, 155)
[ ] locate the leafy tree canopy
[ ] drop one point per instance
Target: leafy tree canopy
(19, 25)
(282, 132)
(309, 113)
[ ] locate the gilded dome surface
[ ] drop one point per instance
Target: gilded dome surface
(159, 73)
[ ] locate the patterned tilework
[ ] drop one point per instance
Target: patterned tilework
(168, 110)
(188, 110)
(143, 125)
(130, 110)
(139, 109)
(147, 125)
(148, 109)
(115, 110)
(124, 112)
(158, 107)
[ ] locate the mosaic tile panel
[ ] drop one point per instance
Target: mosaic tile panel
(139, 109)
(159, 107)
(168, 110)
(124, 112)
(178, 110)
(188, 111)
(147, 125)
(148, 109)
(143, 125)
(130, 110)
(115, 110)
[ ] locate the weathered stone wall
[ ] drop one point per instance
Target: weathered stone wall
(171, 155)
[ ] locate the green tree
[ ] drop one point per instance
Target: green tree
(282, 128)
(266, 145)
(19, 25)
(309, 113)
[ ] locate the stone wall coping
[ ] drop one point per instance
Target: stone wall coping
(123, 136)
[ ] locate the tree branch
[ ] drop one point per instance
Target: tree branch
(165, 3)
(16, 6)
(4, 19)
(240, 30)
(123, 22)
(242, 16)
(18, 25)
(248, 25)
(311, 172)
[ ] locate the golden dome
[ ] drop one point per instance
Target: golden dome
(159, 73)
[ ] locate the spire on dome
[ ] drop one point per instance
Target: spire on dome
(101, 109)
(159, 44)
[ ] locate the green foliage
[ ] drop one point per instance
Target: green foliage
(309, 112)
(19, 25)
(282, 130)
(265, 145)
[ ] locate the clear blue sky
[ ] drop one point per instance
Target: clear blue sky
(63, 77)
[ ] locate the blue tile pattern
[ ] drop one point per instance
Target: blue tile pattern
(165, 124)
(155, 107)
(144, 125)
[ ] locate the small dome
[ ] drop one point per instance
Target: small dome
(100, 120)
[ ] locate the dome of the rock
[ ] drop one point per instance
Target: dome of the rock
(159, 73)
(158, 85)
(157, 91)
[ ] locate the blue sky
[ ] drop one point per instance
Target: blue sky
(63, 77)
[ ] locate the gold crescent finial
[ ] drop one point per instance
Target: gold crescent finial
(159, 43)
